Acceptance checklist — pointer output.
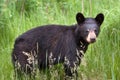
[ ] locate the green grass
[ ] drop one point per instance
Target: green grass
(102, 60)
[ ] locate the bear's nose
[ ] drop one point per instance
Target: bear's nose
(92, 40)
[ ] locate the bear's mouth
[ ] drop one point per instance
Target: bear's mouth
(92, 40)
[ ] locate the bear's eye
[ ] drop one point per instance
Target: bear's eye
(95, 31)
(87, 31)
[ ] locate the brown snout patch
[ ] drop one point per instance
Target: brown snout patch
(91, 37)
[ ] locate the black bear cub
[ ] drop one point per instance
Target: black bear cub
(48, 45)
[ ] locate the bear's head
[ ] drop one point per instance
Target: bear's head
(88, 28)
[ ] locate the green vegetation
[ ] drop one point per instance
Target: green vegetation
(102, 60)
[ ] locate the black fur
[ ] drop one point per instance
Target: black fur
(52, 44)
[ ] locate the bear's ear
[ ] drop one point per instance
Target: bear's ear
(99, 18)
(80, 18)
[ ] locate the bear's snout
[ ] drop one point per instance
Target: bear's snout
(91, 38)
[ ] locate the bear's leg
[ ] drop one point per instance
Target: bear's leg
(70, 66)
(24, 63)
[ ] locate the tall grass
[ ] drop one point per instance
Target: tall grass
(101, 62)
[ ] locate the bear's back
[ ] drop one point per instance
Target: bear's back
(44, 30)
(47, 35)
